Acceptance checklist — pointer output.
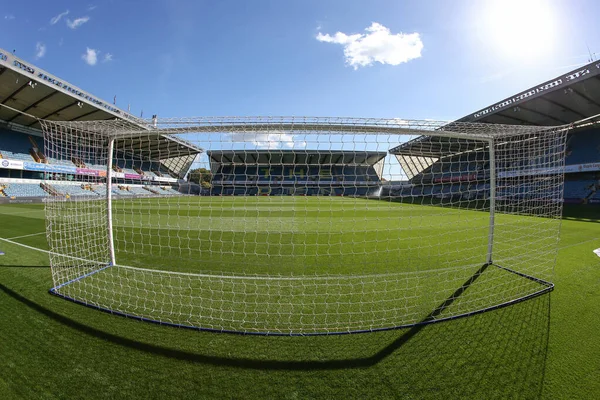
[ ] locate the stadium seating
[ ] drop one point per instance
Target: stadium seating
(139, 191)
(24, 190)
(20, 146)
(99, 189)
(142, 168)
(286, 180)
(578, 189)
(583, 147)
(54, 161)
(169, 191)
(154, 190)
(73, 190)
(96, 166)
(16, 156)
(129, 171)
(14, 142)
(464, 164)
(121, 190)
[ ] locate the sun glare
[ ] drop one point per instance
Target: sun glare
(524, 29)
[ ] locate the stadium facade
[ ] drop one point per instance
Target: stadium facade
(26, 165)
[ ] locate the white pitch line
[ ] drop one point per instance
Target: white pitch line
(24, 236)
(8, 214)
(49, 252)
(577, 244)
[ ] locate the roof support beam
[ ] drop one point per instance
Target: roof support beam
(85, 115)
(34, 105)
(503, 115)
(557, 104)
(586, 97)
(542, 114)
(56, 111)
(10, 96)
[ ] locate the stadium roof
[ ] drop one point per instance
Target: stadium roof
(31, 90)
(435, 146)
(563, 100)
(29, 94)
(295, 157)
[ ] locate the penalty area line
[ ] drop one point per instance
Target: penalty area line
(48, 252)
(24, 236)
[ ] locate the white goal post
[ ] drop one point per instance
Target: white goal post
(301, 226)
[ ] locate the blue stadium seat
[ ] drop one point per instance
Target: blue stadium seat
(583, 147)
(578, 189)
(25, 190)
(73, 190)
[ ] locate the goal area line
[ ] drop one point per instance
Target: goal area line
(430, 318)
(292, 277)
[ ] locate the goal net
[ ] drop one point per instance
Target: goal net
(301, 226)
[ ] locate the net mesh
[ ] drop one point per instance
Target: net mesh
(302, 225)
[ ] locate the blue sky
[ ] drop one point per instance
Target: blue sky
(419, 59)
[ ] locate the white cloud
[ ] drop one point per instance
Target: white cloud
(91, 7)
(9, 17)
(377, 45)
(40, 50)
(90, 56)
(268, 140)
(54, 20)
(107, 57)
(77, 22)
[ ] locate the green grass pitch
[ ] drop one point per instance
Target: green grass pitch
(546, 347)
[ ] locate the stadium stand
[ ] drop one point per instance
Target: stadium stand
(583, 147)
(15, 156)
(579, 189)
(22, 143)
(54, 161)
(139, 191)
(310, 172)
(290, 172)
(73, 190)
(24, 190)
(129, 171)
(152, 189)
(121, 190)
(99, 189)
(14, 142)
(169, 191)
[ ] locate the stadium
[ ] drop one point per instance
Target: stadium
(294, 227)
(32, 92)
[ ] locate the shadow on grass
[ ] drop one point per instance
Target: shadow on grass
(504, 350)
(250, 363)
(586, 213)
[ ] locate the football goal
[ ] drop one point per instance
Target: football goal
(301, 226)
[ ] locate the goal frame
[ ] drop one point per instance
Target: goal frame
(285, 124)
